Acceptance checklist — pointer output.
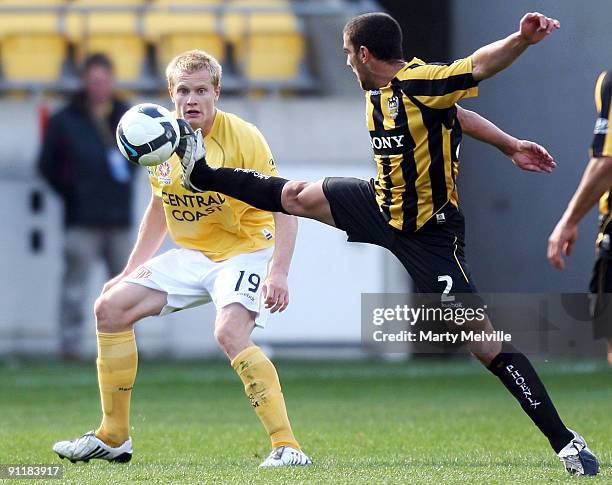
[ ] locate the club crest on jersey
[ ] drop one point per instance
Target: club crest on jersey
(393, 104)
(163, 172)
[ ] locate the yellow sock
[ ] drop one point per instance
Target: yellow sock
(117, 363)
(263, 389)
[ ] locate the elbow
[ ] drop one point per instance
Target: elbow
(464, 117)
(604, 165)
(479, 73)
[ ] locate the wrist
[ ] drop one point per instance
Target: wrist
(569, 218)
(278, 272)
(128, 270)
(520, 40)
(510, 146)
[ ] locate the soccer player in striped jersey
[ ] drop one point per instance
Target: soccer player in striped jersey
(411, 208)
(596, 184)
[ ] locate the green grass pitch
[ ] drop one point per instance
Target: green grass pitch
(361, 422)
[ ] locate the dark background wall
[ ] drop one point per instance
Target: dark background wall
(426, 27)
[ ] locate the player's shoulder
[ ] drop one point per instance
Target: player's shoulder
(419, 69)
(238, 124)
(603, 89)
(408, 71)
(605, 79)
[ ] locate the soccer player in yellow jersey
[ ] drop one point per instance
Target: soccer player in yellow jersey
(229, 253)
(596, 184)
(411, 208)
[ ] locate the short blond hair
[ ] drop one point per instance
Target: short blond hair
(193, 61)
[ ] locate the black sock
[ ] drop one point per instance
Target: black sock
(521, 379)
(260, 191)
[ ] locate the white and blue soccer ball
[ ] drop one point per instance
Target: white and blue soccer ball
(147, 134)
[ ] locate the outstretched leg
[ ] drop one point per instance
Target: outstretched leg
(265, 192)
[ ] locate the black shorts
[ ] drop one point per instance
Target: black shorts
(433, 256)
(601, 287)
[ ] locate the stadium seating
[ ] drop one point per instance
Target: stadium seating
(268, 43)
(94, 27)
(174, 30)
(259, 42)
(32, 45)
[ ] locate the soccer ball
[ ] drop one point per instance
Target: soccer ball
(147, 134)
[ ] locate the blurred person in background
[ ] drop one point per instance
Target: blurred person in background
(596, 184)
(80, 161)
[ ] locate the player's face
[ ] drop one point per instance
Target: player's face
(98, 84)
(354, 62)
(194, 98)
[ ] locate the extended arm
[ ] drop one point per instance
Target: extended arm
(276, 291)
(150, 236)
(597, 178)
(490, 59)
(525, 154)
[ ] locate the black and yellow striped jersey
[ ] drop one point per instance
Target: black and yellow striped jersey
(415, 137)
(602, 140)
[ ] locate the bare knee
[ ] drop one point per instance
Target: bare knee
(226, 337)
(233, 329)
(291, 198)
(232, 339)
(109, 316)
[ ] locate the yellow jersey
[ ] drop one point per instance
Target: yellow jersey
(217, 225)
(415, 137)
(602, 139)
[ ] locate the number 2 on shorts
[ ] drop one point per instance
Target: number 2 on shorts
(449, 284)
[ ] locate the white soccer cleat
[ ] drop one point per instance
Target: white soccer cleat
(89, 446)
(577, 458)
(286, 456)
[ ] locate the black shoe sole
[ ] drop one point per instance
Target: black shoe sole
(122, 458)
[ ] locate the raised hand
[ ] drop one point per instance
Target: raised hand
(535, 26)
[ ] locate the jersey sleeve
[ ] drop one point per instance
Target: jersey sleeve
(256, 153)
(440, 86)
(602, 139)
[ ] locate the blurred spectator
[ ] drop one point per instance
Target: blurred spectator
(81, 162)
